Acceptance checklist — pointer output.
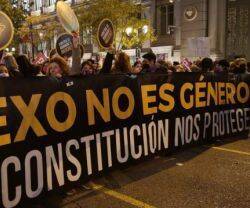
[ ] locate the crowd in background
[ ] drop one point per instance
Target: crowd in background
(115, 62)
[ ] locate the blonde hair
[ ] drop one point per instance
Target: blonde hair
(62, 64)
(180, 68)
(240, 61)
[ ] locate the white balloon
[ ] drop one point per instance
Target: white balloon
(67, 17)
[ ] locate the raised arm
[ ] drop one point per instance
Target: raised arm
(76, 56)
(107, 65)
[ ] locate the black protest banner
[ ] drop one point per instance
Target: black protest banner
(57, 132)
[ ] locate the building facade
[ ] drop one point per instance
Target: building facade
(187, 28)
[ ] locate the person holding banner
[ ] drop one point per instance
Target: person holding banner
(59, 67)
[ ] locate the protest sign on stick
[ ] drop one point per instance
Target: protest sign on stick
(106, 33)
(6, 31)
(64, 45)
(67, 17)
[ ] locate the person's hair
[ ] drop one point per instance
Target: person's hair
(240, 61)
(10, 62)
(239, 56)
(62, 64)
(25, 67)
(206, 64)
(91, 61)
(195, 68)
(122, 63)
(224, 64)
(150, 56)
(176, 63)
(172, 69)
(86, 63)
(180, 68)
(198, 62)
(163, 64)
(240, 66)
(241, 69)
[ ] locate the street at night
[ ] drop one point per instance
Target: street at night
(208, 176)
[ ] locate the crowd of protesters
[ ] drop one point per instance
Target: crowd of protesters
(115, 62)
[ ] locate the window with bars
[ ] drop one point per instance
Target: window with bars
(50, 2)
(163, 20)
(166, 18)
(37, 5)
(170, 14)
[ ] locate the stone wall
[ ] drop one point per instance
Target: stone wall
(195, 28)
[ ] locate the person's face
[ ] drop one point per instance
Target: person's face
(55, 70)
(138, 68)
(148, 62)
(87, 69)
(4, 72)
(145, 62)
(45, 68)
(218, 68)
